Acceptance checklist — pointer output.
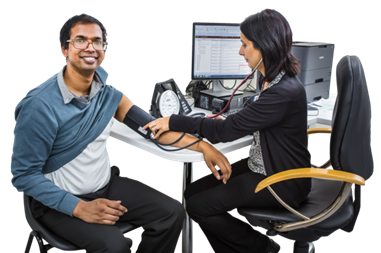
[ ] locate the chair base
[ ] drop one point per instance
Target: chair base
(304, 247)
(43, 248)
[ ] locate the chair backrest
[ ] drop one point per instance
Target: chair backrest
(33, 223)
(350, 138)
(49, 236)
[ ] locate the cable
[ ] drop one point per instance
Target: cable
(161, 144)
(195, 89)
(174, 141)
(198, 114)
(231, 97)
(226, 88)
(158, 144)
(249, 86)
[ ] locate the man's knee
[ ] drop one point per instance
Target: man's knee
(111, 244)
(123, 246)
(173, 213)
(177, 211)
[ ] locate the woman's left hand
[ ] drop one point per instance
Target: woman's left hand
(158, 126)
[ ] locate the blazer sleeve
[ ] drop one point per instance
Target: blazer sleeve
(34, 135)
(264, 113)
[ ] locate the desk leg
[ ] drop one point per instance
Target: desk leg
(187, 226)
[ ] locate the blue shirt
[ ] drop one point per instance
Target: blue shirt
(50, 133)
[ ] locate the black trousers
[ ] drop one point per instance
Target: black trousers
(160, 216)
(209, 200)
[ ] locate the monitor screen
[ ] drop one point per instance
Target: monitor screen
(215, 52)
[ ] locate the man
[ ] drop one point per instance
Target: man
(60, 157)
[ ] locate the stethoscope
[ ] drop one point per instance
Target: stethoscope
(194, 115)
(231, 97)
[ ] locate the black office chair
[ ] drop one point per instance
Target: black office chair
(40, 232)
(329, 205)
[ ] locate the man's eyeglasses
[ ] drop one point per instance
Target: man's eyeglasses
(83, 44)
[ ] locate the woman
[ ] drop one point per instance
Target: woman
(278, 122)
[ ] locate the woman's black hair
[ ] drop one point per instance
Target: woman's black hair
(81, 19)
(271, 34)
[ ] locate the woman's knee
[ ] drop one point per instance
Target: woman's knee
(187, 193)
(190, 191)
(193, 210)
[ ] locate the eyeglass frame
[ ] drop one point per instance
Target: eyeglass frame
(88, 43)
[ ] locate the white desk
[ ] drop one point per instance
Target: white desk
(123, 133)
(187, 157)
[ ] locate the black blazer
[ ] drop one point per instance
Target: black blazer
(280, 114)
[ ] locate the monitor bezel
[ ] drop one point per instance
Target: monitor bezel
(193, 50)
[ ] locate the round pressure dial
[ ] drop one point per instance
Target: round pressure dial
(169, 103)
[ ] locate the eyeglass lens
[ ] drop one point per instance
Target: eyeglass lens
(83, 44)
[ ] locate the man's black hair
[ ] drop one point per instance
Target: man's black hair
(79, 19)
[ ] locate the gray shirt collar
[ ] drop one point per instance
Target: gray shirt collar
(68, 96)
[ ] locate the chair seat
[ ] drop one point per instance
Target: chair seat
(125, 227)
(52, 238)
(322, 194)
(57, 241)
(60, 243)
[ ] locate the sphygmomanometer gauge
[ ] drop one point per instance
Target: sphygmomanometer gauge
(169, 103)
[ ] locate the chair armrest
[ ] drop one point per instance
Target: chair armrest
(310, 173)
(319, 130)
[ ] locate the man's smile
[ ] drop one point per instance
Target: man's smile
(89, 59)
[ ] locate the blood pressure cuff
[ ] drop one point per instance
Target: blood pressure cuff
(136, 119)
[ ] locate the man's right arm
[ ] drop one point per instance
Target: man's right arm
(101, 211)
(35, 132)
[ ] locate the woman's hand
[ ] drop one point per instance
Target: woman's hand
(214, 157)
(218, 117)
(158, 126)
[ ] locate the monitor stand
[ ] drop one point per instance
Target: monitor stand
(219, 91)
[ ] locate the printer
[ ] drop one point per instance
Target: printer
(315, 67)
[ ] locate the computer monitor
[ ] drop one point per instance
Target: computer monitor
(215, 55)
